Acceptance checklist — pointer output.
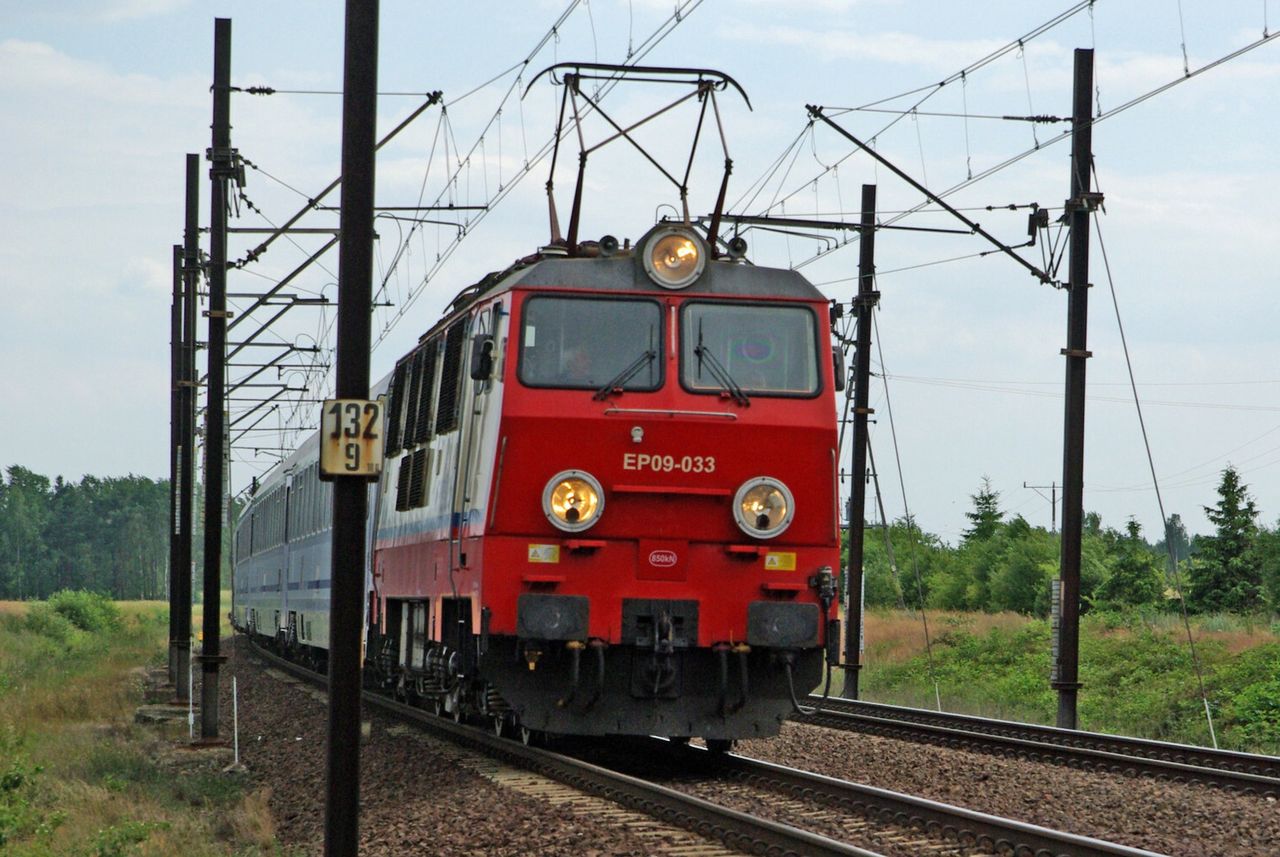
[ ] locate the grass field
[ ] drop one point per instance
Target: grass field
(1138, 674)
(77, 776)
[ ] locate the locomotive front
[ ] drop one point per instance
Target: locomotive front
(663, 522)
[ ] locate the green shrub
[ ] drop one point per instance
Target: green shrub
(118, 841)
(45, 621)
(18, 814)
(117, 766)
(1255, 715)
(88, 611)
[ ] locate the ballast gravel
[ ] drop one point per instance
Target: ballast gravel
(419, 796)
(1168, 818)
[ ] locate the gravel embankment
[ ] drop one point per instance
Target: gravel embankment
(1190, 820)
(419, 796)
(422, 796)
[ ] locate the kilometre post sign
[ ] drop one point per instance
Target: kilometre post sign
(351, 438)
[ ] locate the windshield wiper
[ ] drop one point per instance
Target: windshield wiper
(718, 371)
(614, 384)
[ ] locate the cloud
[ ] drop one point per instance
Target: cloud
(145, 277)
(102, 124)
(129, 10)
(891, 47)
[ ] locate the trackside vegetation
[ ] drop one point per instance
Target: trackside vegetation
(107, 535)
(989, 602)
(1006, 563)
(1138, 674)
(77, 776)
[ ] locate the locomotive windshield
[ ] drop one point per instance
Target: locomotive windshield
(748, 348)
(587, 343)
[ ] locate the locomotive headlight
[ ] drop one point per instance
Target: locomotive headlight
(673, 258)
(763, 507)
(573, 500)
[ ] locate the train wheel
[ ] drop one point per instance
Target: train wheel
(437, 705)
(499, 723)
(719, 745)
(527, 736)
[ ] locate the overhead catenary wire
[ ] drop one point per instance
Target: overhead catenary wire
(295, 421)
(1063, 135)
(294, 415)
(655, 38)
(930, 90)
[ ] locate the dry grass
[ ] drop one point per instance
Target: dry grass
(13, 608)
(106, 787)
(251, 821)
(894, 636)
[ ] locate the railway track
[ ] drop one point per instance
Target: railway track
(904, 823)
(1245, 773)
(907, 824)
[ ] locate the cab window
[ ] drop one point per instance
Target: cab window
(586, 343)
(764, 350)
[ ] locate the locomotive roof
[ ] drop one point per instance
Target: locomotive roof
(624, 273)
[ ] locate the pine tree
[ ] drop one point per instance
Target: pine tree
(1135, 578)
(1226, 574)
(986, 514)
(1266, 550)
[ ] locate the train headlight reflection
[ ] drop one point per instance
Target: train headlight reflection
(674, 258)
(763, 507)
(573, 500)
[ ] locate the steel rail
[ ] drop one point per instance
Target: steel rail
(1245, 773)
(733, 828)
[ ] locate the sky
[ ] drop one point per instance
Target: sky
(102, 99)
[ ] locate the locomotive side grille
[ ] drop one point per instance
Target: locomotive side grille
(450, 384)
(414, 364)
(417, 479)
(402, 483)
(427, 356)
(396, 408)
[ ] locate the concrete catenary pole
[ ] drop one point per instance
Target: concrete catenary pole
(350, 493)
(1066, 677)
(187, 387)
(222, 167)
(864, 303)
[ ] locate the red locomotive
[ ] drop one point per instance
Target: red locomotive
(608, 505)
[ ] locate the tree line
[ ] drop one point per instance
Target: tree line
(1004, 563)
(107, 535)
(110, 535)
